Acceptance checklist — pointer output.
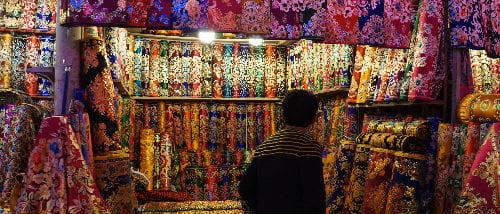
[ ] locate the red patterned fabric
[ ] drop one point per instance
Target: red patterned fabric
(427, 75)
(342, 22)
(159, 14)
(222, 15)
(284, 21)
(137, 11)
(94, 12)
(59, 180)
(398, 22)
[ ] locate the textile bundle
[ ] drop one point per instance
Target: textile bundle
(479, 108)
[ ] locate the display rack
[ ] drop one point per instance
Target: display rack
(208, 99)
(27, 31)
(331, 92)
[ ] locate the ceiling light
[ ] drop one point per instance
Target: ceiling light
(255, 41)
(206, 37)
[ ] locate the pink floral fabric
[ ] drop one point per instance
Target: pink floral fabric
(223, 15)
(94, 12)
(285, 20)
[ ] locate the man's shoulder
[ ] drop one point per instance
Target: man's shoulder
(289, 143)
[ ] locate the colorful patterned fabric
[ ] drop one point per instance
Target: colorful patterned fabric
(485, 73)
(137, 13)
(147, 155)
(416, 128)
(378, 177)
(406, 188)
(284, 20)
(115, 185)
(207, 75)
(29, 14)
(5, 60)
(480, 108)
(11, 13)
(97, 80)
(159, 14)
(223, 15)
(480, 191)
(471, 146)
(371, 22)
(342, 27)
(398, 23)
(467, 26)
(47, 49)
(396, 64)
(445, 133)
(32, 51)
(164, 66)
(93, 12)
(115, 43)
(218, 62)
(428, 74)
(45, 15)
(395, 142)
(312, 18)
(196, 75)
(255, 17)
(355, 193)
(340, 173)
(189, 14)
(175, 68)
(154, 87)
(68, 182)
(194, 206)
(18, 80)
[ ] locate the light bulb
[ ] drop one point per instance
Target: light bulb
(255, 41)
(206, 37)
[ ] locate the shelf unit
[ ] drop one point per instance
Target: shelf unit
(396, 104)
(331, 92)
(208, 99)
(27, 31)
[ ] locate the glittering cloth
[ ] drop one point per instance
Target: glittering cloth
(58, 174)
(417, 128)
(480, 108)
(94, 12)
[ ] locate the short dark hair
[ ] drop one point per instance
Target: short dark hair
(299, 108)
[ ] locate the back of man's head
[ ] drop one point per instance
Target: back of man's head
(299, 108)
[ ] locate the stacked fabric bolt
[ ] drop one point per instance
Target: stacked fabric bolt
(331, 123)
(29, 15)
(485, 72)
(480, 108)
(194, 207)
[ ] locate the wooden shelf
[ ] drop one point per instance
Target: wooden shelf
(208, 99)
(332, 92)
(41, 97)
(393, 104)
(27, 31)
(47, 72)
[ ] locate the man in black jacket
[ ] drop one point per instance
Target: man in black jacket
(286, 173)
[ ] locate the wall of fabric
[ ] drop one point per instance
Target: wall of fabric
(34, 15)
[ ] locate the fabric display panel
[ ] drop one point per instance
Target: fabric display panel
(18, 80)
(11, 14)
(485, 72)
(154, 66)
(378, 176)
(126, 106)
(478, 191)
(55, 144)
(93, 12)
(312, 19)
(427, 73)
(479, 108)
(190, 14)
(341, 27)
(19, 124)
(255, 17)
(356, 189)
(175, 69)
(339, 175)
(115, 185)
(223, 15)
(475, 28)
(99, 85)
(115, 40)
(159, 14)
(456, 163)
(137, 13)
(284, 21)
(6, 60)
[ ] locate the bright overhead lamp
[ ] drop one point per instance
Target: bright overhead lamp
(206, 37)
(255, 41)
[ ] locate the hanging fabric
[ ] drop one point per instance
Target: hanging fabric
(284, 21)
(18, 80)
(189, 14)
(5, 60)
(312, 18)
(255, 17)
(159, 15)
(342, 26)
(223, 15)
(137, 13)
(94, 12)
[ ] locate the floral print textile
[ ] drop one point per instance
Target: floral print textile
(159, 14)
(285, 20)
(223, 15)
(137, 11)
(94, 12)
(68, 186)
(255, 17)
(190, 14)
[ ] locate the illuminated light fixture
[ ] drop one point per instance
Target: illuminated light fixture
(255, 41)
(206, 37)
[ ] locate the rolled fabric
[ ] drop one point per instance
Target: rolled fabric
(270, 71)
(153, 115)
(12, 13)
(112, 49)
(407, 184)
(211, 190)
(28, 17)
(207, 60)
(162, 117)
(154, 89)
(396, 68)
(479, 108)
(259, 74)
(218, 68)
(175, 68)
(195, 180)
(236, 72)
(259, 118)
(383, 80)
(402, 143)
(189, 15)
(354, 195)
(340, 173)
(416, 128)
(228, 69)
(365, 74)
(186, 127)
(163, 67)
(223, 181)
(96, 78)
(195, 126)
(137, 74)
(243, 70)
(222, 126)
(185, 74)
(255, 17)
(178, 125)
(235, 174)
(194, 206)
(377, 71)
(161, 195)
(456, 163)
(444, 142)
(196, 75)
(241, 136)
(204, 126)
(479, 191)
(213, 119)
(251, 126)
(146, 72)
(350, 123)
(147, 155)
(6, 60)
(267, 120)
(18, 80)
(165, 161)
(378, 177)
(471, 146)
